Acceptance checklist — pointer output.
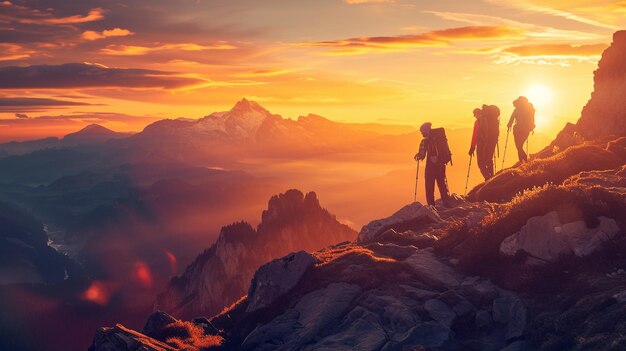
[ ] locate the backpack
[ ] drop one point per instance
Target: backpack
(439, 145)
(491, 123)
(526, 117)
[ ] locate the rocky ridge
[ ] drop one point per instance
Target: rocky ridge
(221, 275)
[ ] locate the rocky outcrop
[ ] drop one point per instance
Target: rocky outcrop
(276, 278)
(222, 274)
(546, 239)
(414, 215)
(390, 309)
(120, 338)
(605, 113)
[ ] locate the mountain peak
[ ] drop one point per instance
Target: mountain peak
(245, 105)
(95, 128)
(93, 132)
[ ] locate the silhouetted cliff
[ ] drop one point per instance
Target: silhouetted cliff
(221, 275)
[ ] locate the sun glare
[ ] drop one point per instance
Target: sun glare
(539, 95)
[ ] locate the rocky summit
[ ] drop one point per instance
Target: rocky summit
(533, 259)
(221, 275)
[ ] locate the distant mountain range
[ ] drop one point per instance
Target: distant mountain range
(246, 128)
(91, 134)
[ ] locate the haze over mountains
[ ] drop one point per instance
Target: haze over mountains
(134, 210)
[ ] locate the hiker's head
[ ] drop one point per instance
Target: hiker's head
(520, 101)
(478, 112)
(425, 128)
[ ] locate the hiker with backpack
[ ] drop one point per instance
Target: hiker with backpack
(485, 138)
(435, 149)
(524, 117)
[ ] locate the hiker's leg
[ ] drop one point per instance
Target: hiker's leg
(490, 151)
(442, 184)
(429, 183)
(481, 159)
(520, 138)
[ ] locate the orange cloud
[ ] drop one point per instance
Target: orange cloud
(444, 37)
(132, 50)
(533, 30)
(22, 14)
(12, 52)
(551, 54)
(529, 5)
(557, 50)
(93, 15)
(265, 73)
(358, 2)
(115, 32)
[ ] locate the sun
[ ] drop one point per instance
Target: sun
(539, 95)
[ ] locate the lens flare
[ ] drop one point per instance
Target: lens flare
(98, 292)
(143, 274)
(172, 260)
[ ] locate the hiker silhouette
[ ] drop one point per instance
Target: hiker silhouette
(434, 147)
(485, 138)
(524, 117)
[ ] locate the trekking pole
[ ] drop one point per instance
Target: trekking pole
(417, 175)
(506, 143)
(468, 174)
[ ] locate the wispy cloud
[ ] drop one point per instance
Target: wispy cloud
(359, 2)
(12, 13)
(12, 52)
(133, 50)
(27, 104)
(85, 75)
(107, 33)
(437, 38)
(557, 50)
(551, 54)
(533, 30)
(264, 73)
(537, 8)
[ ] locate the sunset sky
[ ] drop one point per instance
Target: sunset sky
(123, 64)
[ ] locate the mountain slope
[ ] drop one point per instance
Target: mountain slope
(543, 270)
(221, 275)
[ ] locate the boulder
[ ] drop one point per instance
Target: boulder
(432, 271)
(157, 321)
(397, 314)
(119, 338)
(482, 319)
(427, 334)
(440, 311)
(516, 346)
(397, 252)
(545, 238)
(414, 216)
(360, 330)
(306, 321)
(511, 311)
(276, 278)
(479, 291)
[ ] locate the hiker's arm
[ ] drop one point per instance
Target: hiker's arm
(474, 138)
(421, 154)
(513, 115)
